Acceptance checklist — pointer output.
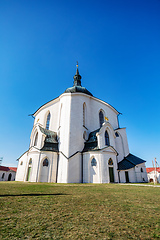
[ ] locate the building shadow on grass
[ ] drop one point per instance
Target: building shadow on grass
(33, 194)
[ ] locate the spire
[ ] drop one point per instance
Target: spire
(77, 77)
(77, 87)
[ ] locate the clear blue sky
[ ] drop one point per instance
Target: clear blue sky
(117, 44)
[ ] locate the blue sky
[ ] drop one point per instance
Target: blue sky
(117, 44)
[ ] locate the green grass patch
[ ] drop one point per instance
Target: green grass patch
(79, 211)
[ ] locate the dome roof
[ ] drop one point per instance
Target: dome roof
(77, 85)
(75, 89)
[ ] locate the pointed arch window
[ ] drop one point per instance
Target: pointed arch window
(45, 163)
(30, 161)
(101, 118)
(106, 138)
(93, 162)
(84, 114)
(9, 177)
(36, 139)
(110, 162)
(48, 121)
(117, 135)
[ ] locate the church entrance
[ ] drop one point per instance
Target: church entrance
(44, 172)
(111, 174)
(29, 169)
(9, 177)
(127, 176)
(29, 173)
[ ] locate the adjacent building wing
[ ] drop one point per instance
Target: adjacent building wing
(129, 162)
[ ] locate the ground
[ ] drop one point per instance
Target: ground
(79, 211)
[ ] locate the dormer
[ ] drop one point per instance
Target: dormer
(106, 136)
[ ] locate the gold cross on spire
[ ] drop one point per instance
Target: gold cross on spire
(77, 64)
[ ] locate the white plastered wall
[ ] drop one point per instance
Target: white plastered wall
(135, 174)
(36, 156)
(62, 169)
(102, 158)
(101, 135)
(47, 174)
(122, 144)
(87, 158)
(105, 166)
(131, 175)
(41, 115)
(75, 169)
(141, 176)
(67, 121)
(73, 138)
(20, 174)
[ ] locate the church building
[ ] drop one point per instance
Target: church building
(76, 138)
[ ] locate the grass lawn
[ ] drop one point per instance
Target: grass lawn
(79, 211)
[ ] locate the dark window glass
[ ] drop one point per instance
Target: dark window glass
(45, 163)
(141, 169)
(110, 161)
(101, 118)
(48, 121)
(30, 161)
(3, 175)
(106, 138)
(117, 135)
(9, 177)
(93, 162)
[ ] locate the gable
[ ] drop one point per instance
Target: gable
(109, 149)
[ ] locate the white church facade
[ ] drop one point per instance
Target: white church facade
(76, 138)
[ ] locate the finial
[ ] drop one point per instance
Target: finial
(77, 77)
(77, 71)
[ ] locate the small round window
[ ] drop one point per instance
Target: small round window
(93, 162)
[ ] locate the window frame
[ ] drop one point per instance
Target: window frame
(107, 141)
(101, 118)
(48, 121)
(44, 164)
(93, 162)
(36, 140)
(110, 162)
